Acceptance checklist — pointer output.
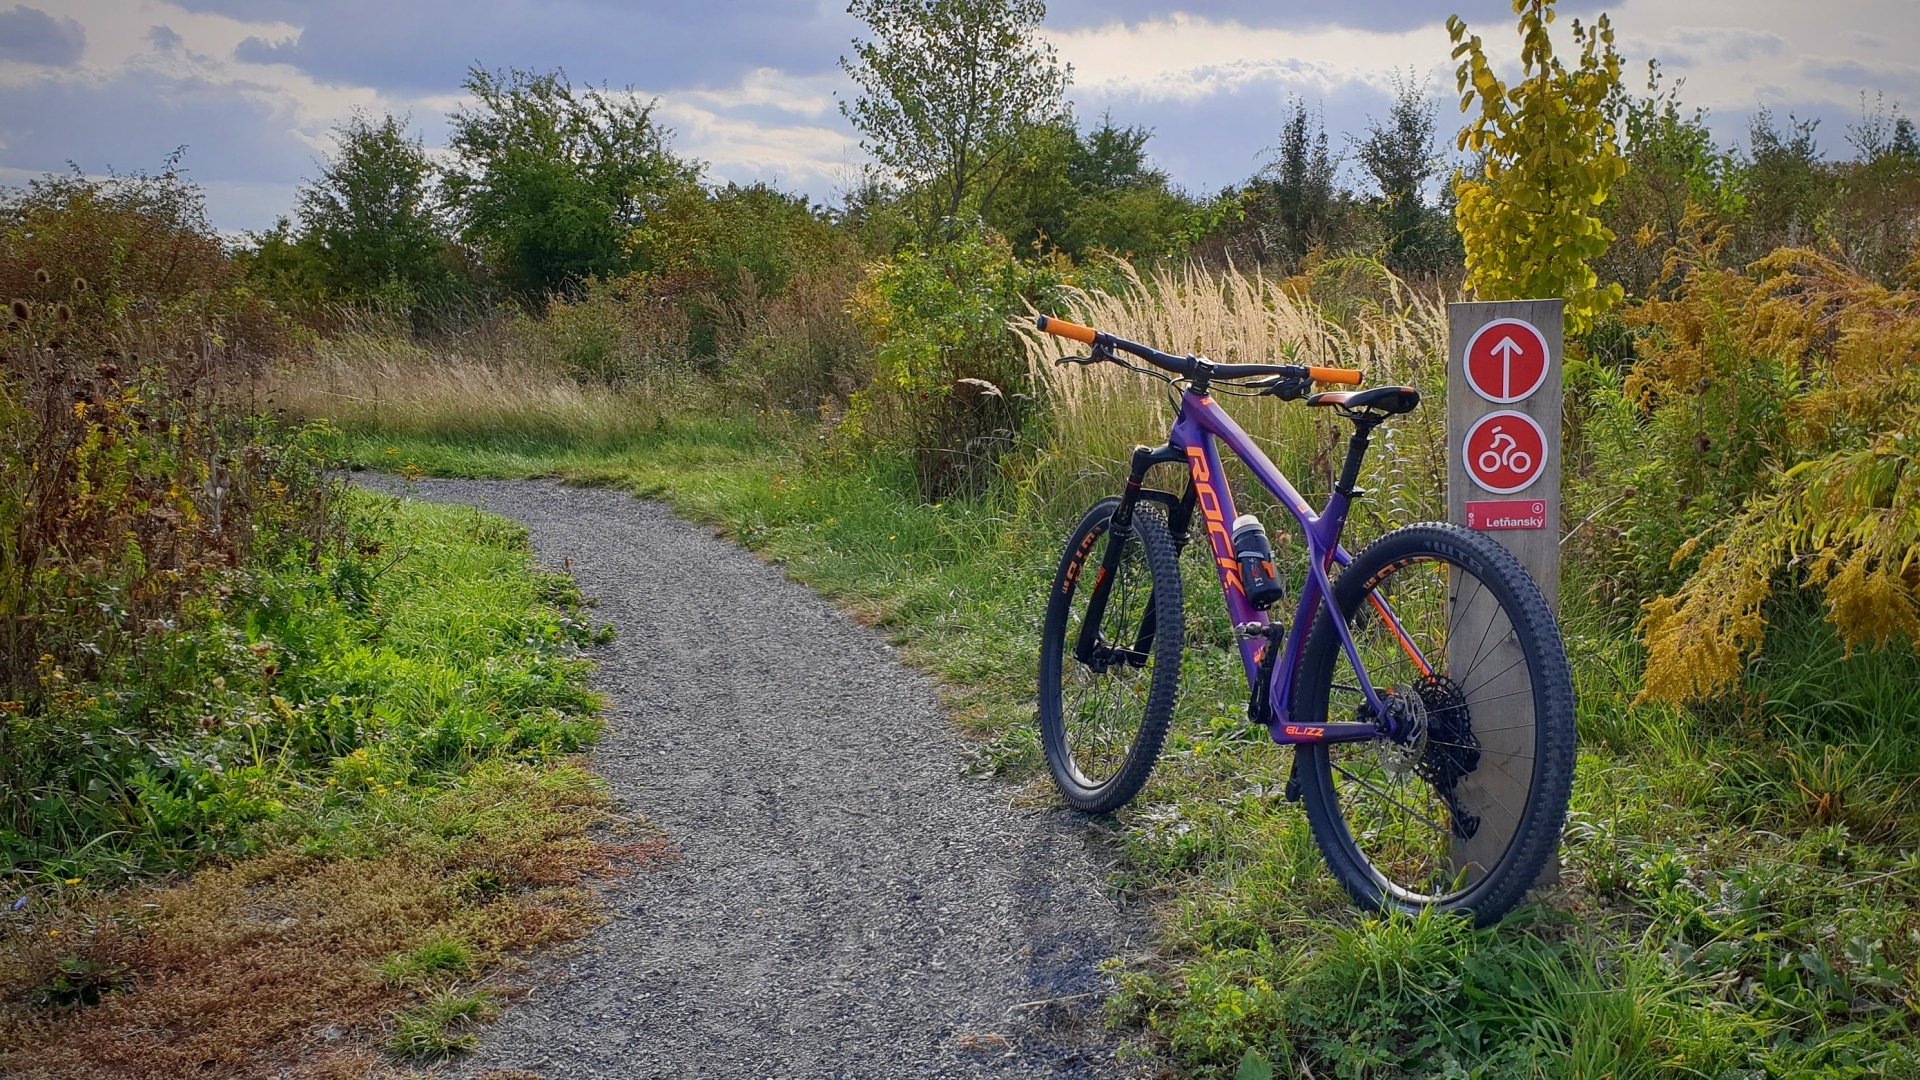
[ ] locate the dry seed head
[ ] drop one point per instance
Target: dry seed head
(22, 310)
(80, 285)
(42, 276)
(63, 313)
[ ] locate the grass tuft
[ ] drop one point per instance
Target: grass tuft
(434, 959)
(444, 1024)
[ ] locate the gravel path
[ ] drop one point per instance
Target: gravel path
(848, 903)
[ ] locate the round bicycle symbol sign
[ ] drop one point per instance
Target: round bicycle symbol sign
(1505, 451)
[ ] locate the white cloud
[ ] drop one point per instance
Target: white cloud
(1737, 55)
(1188, 58)
(805, 156)
(811, 96)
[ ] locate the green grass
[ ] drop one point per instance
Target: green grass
(440, 956)
(430, 646)
(382, 743)
(1738, 899)
(443, 1024)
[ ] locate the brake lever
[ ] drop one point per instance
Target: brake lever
(1099, 354)
(1289, 387)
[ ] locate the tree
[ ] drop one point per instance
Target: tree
(1787, 190)
(947, 87)
(1884, 135)
(1110, 158)
(1549, 154)
(1678, 181)
(1300, 180)
(1399, 157)
(551, 183)
(1080, 192)
(1875, 214)
(369, 219)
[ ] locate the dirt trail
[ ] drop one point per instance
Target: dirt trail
(848, 903)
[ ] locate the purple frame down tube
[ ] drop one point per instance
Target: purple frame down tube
(1200, 423)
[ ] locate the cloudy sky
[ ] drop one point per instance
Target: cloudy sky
(252, 87)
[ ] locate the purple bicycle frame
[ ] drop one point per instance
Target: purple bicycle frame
(1199, 424)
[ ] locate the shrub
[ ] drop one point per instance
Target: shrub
(950, 384)
(132, 482)
(623, 331)
(1776, 445)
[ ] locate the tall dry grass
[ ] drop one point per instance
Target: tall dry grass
(1345, 314)
(492, 381)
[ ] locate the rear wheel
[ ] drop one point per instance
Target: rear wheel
(1464, 810)
(1103, 718)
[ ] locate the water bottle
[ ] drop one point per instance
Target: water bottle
(1251, 547)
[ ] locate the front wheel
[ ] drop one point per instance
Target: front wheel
(1463, 810)
(1104, 707)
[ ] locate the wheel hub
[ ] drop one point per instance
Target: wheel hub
(1407, 715)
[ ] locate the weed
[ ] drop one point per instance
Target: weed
(441, 1025)
(77, 981)
(439, 956)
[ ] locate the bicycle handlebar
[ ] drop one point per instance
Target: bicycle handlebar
(1189, 366)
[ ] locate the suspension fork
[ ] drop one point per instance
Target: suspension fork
(1119, 531)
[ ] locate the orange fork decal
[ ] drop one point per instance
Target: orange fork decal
(1217, 534)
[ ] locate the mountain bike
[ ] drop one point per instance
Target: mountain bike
(1424, 689)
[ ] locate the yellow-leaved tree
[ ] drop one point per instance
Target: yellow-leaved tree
(1548, 152)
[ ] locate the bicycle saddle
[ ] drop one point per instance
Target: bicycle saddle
(1386, 399)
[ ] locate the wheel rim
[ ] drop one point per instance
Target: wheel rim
(1433, 815)
(1102, 706)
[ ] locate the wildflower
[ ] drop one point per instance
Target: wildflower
(53, 933)
(20, 903)
(73, 881)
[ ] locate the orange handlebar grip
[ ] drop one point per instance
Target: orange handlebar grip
(1335, 375)
(1065, 329)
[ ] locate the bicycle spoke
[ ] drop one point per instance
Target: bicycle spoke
(1412, 813)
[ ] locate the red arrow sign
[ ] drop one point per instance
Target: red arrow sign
(1506, 360)
(1505, 451)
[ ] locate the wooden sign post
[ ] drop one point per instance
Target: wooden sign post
(1503, 478)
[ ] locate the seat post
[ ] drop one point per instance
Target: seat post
(1357, 443)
